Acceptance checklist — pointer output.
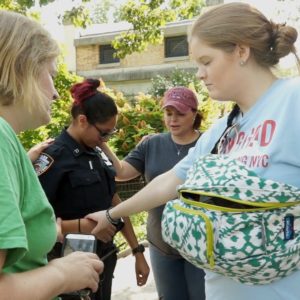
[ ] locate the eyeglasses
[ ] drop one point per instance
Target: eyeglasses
(105, 135)
(227, 140)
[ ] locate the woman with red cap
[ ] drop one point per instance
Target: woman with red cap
(174, 276)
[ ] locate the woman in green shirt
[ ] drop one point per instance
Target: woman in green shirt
(27, 227)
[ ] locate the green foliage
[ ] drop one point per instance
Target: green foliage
(147, 19)
(187, 9)
(21, 6)
(136, 121)
(102, 11)
(211, 110)
(139, 222)
(60, 111)
(79, 16)
(12, 5)
(30, 3)
(176, 78)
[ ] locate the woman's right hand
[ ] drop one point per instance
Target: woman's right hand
(35, 151)
(79, 270)
(100, 218)
(106, 234)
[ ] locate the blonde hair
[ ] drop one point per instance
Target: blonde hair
(25, 49)
(227, 25)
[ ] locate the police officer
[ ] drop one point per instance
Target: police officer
(78, 179)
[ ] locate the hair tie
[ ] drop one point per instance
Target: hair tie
(84, 90)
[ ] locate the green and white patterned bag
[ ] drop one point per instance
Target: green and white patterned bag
(231, 221)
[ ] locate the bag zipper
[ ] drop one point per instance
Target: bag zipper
(256, 206)
(209, 230)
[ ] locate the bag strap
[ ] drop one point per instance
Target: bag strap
(234, 113)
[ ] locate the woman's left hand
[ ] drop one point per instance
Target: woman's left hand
(142, 269)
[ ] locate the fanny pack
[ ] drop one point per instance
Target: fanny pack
(233, 222)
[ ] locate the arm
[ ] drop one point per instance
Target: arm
(124, 170)
(141, 267)
(73, 272)
(157, 192)
(86, 226)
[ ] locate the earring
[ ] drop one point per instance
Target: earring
(242, 63)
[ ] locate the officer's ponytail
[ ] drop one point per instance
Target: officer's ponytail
(98, 107)
(84, 90)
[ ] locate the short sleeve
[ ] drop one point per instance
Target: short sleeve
(137, 157)
(50, 174)
(12, 228)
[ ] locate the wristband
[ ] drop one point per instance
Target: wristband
(79, 229)
(139, 249)
(110, 219)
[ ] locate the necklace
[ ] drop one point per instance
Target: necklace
(178, 149)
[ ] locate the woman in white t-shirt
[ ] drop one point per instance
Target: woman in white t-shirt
(235, 46)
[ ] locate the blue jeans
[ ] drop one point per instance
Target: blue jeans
(176, 278)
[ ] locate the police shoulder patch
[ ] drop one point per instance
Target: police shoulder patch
(43, 163)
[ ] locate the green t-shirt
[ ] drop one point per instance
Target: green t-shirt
(27, 222)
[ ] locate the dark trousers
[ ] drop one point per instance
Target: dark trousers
(104, 291)
(105, 283)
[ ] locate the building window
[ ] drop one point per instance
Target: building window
(107, 55)
(176, 46)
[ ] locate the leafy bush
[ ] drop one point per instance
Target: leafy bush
(177, 78)
(138, 222)
(136, 121)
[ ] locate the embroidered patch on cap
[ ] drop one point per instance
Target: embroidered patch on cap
(43, 163)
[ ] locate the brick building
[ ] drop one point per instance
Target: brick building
(94, 57)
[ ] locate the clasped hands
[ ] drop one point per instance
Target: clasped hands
(101, 221)
(105, 233)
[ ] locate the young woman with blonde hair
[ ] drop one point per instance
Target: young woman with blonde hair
(27, 227)
(235, 48)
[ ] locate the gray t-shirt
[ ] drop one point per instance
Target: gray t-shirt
(152, 157)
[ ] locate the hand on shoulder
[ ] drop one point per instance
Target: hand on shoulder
(35, 151)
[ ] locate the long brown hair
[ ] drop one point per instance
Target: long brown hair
(227, 25)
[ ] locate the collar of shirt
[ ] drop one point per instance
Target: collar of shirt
(73, 145)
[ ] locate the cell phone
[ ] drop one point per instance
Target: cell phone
(79, 242)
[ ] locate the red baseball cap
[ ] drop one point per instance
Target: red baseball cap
(181, 98)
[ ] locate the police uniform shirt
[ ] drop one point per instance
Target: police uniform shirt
(76, 180)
